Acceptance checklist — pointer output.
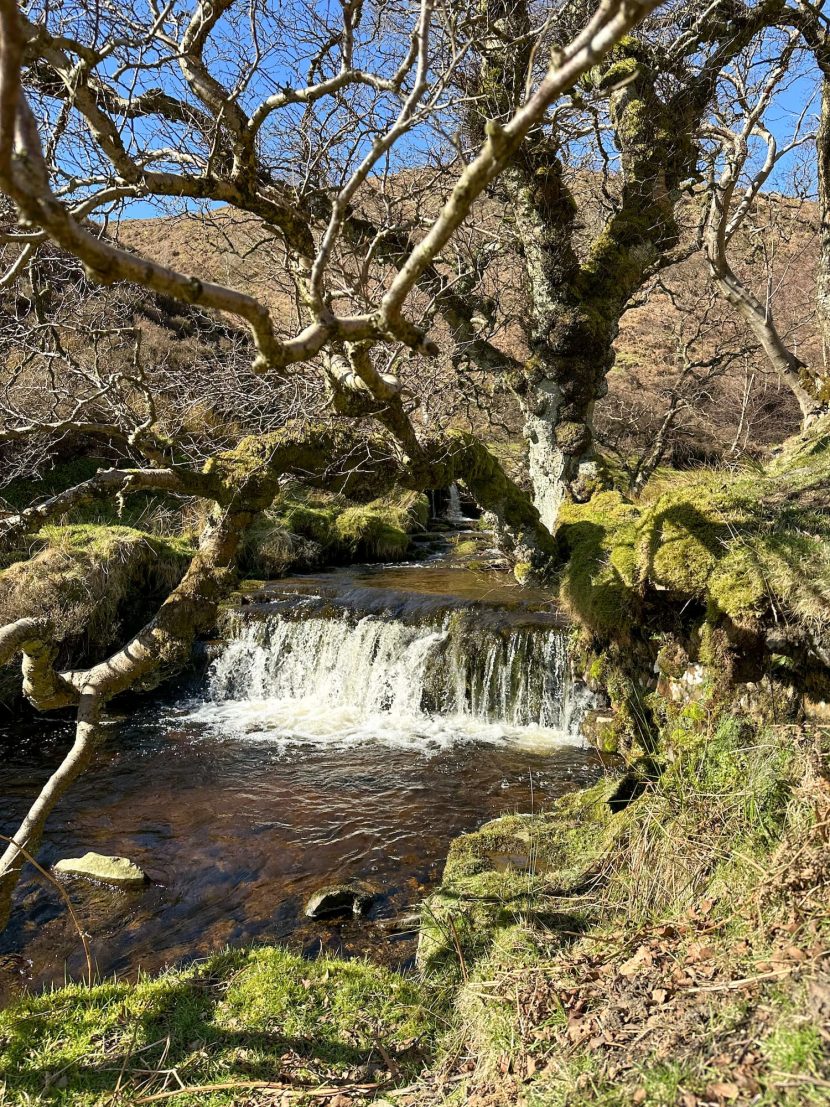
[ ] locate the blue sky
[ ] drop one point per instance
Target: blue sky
(280, 69)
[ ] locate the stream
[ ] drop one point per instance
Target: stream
(348, 725)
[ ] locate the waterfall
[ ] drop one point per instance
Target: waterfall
(454, 513)
(346, 679)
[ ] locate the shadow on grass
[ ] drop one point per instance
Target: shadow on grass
(265, 1015)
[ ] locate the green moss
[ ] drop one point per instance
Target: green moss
(744, 543)
(494, 491)
(599, 582)
(515, 868)
(306, 528)
(523, 571)
(381, 529)
(239, 1016)
(97, 583)
(312, 518)
(619, 65)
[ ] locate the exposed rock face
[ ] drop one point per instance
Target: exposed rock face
(687, 686)
(339, 899)
(97, 866)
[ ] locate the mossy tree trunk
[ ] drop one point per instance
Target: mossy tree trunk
(576, 303)
(818, 378)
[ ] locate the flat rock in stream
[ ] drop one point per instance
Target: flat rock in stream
(339, 899)
(98, 866)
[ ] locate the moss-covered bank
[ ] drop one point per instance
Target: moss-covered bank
(713, 581)
(98, 583)
(748, 545)
(306, 529)
(670, 947)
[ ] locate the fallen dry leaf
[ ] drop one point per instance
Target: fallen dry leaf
(724, 1090)
(796, 954)
(632, 966)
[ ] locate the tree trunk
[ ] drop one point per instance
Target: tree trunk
(823, 281)
(822, 372)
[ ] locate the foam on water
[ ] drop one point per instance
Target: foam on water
(340, 682)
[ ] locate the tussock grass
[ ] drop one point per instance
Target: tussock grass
(699, 974)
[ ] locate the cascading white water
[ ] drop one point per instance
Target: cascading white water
(340, 680)
(454, 512)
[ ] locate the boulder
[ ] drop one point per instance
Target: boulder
(339, 899)
(97, 866)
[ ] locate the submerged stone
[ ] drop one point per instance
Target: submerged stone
(401, 924)
(98, 866)
(339, 899)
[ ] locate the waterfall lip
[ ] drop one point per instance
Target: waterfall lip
(412, 594)
(421, 658)
(410, 610)
(347, 677)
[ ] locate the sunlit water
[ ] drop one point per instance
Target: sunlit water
(316, 749)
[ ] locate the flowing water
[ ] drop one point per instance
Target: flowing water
(349, 726)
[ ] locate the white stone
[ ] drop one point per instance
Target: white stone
(98, 866)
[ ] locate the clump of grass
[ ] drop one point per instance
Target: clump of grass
(259, 1014)
(381, 529)
(724, 801)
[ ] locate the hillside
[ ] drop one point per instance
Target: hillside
(666, 343)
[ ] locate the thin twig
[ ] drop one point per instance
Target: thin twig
(744, 983)
(264, 1085)
(792, 1079)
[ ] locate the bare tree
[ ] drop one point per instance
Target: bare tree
(641, 112)
(735, 183)
(646, 423)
